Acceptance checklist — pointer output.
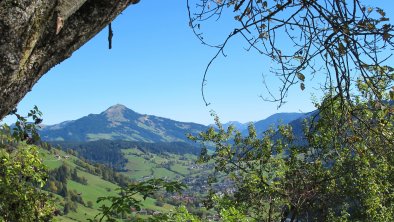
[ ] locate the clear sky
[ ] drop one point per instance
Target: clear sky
(156, 67)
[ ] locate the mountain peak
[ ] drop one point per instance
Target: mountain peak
(116, 113)
(117, 106)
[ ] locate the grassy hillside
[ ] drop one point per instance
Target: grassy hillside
(144, 165)
(95, 187)
(183, 168)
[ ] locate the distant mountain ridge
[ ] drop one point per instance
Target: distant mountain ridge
(274, 121)
(120, 123)
(238, 126)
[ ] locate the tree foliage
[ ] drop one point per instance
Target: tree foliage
(179, 215)
(342, 168)
(342, 171)
(22, 174)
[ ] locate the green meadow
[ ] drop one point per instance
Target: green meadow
(139, 166)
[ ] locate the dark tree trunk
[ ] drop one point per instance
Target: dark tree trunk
(29, 45)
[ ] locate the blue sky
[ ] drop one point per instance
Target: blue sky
(156, 67)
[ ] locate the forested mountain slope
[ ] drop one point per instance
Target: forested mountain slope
(120, 123)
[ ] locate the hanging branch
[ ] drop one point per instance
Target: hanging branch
(110, 35)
